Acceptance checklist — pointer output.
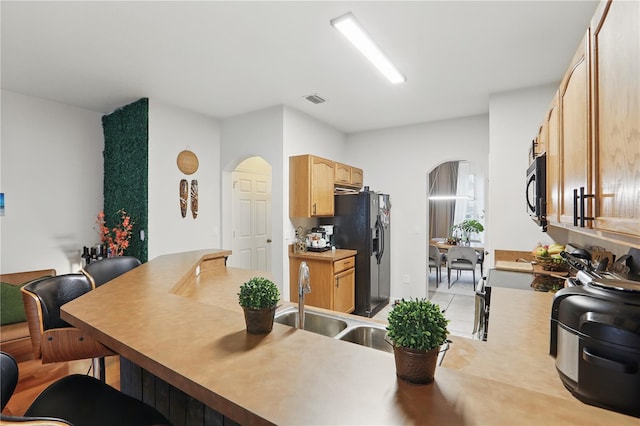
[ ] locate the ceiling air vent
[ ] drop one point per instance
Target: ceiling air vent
(315, 98)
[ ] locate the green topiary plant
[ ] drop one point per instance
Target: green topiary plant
(258, 293)
(417, 324)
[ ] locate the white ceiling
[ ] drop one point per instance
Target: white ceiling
(227, 58)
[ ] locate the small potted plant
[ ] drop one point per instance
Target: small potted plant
(259, 297)
(417, 329)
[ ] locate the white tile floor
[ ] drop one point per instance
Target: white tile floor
(458, 302)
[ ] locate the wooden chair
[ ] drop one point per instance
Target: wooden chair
(53, 339)
(14, 337)
(75, 400)
(461, 259)
(103, 271)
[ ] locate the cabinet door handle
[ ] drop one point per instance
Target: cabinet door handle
(579, 207)
(314, 208)
(575, 207)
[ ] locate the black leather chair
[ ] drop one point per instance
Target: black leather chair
(75, 400)
(105, 270)
(53, 339)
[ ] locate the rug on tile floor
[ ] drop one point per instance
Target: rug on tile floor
(463, 285)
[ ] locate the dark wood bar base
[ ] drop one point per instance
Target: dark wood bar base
(180, 408)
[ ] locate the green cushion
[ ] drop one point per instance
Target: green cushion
(11, 307)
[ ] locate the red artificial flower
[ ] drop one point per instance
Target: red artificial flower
(116, 239)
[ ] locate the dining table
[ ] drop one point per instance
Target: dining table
(444, 247)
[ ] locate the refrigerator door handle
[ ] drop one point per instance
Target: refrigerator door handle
(382, 242)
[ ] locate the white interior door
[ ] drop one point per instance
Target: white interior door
(251, 217)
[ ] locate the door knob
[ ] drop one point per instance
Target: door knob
(268, 240)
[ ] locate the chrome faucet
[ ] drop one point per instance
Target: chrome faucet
(304, 286)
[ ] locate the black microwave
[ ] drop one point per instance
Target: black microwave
(536, 191)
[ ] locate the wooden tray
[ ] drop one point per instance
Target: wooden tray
(504, 265)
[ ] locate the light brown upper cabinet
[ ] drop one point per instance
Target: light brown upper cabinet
(592, 131)
(553, 161)
(540, 144)
(310, 186)
(357, 177)
(615, 76)
(573, 99)
(348, 176)
(342, 174)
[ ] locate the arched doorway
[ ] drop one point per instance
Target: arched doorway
(456, 192)
(251, 215)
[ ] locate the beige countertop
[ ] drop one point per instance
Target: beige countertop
(188, 329)
(329, 255)
(517, 348)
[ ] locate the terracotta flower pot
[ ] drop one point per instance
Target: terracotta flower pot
(414, 365)
(259, 321)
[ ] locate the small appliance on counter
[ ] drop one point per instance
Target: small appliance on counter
(595, 340)
(328, 232)
(317, 240)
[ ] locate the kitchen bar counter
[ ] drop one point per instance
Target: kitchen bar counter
(187, 329)
(517, 349)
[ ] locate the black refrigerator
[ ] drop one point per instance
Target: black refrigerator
(362, 222)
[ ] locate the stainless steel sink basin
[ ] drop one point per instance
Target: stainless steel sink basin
(313, 322)
(347, 328)
(372, 337)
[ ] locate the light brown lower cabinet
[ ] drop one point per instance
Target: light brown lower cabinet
(332, 283)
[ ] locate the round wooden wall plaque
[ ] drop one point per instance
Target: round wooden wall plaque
(187, 162)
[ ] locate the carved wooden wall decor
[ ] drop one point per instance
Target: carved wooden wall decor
(184, 195)
(194, 198)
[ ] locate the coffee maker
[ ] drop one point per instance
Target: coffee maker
(317, 240)
(328, 234)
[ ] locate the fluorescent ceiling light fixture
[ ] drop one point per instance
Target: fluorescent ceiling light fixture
(449, 197)
(352, 30)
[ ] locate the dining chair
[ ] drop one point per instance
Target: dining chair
(435, 261)
(104, 270)
(52, 338)
(461, 259)
(76, 399)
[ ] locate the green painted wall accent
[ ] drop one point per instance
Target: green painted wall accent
(126, 170)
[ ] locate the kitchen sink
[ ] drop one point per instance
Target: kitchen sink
(365, 335)
(346, 328)
(313, 322)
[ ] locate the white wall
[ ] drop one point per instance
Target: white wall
(306, 135)
(51, 174)
(397, 161)
(172, 130)
(274, 134)
(514, 119)
(258, 133)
